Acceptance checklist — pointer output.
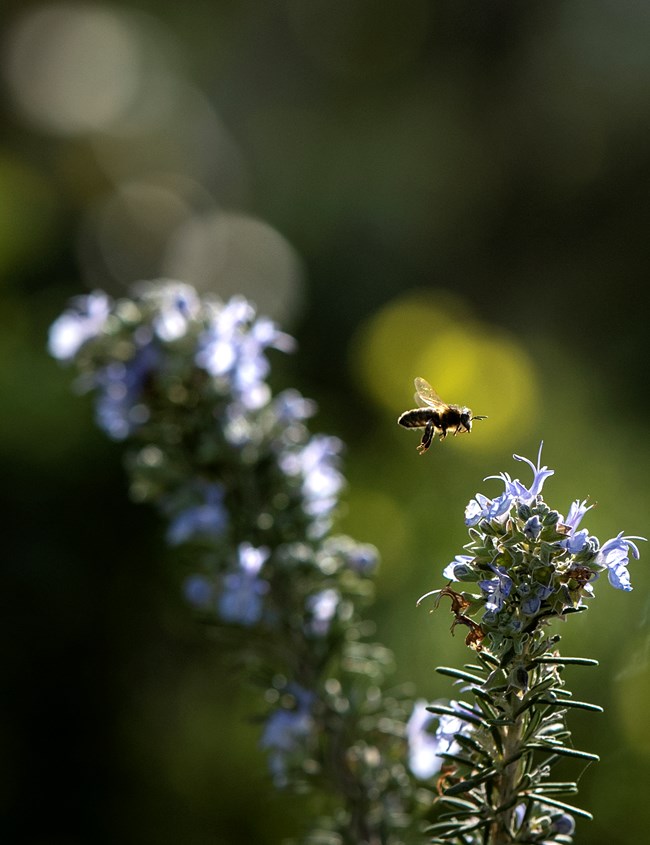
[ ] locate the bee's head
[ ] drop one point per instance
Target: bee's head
(466, 419)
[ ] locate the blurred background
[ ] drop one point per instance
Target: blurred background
(456, 189)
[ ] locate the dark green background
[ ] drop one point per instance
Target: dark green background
(490, 156)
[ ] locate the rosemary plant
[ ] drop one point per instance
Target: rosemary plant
(249, 496)
(495, 749)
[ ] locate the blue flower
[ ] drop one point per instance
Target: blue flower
(577, 510)
(449, 726)
(322, 481)
(74, 327)
(322, 609)
(535, 595)
(520, 814)
(177, 305)
(516, 490)
(425, 747)
(475, 509)
(291, 406)
(577, 540)
(480, 507)
(241, 599)
(199, 591)
(362, 558)
(614, 556)
(286, 730)
(316, 464)
(496, 589)
(119, 409)
(207, 520)
(498, 507)
(458, 568)
(219, 344)
(232, 348)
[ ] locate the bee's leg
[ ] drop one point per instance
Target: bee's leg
(427, 437)
(443, 431)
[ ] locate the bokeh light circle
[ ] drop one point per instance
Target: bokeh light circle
(73, 67)
(125, 234)
(231, 253)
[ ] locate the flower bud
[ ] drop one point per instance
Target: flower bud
(524, 512)
(564, 824)
(489, 618)
(533, 528)
(462, 572)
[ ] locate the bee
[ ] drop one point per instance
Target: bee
(435, 416)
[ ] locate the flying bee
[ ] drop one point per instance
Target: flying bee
(435, 416)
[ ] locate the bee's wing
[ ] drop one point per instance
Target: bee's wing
(426, 395)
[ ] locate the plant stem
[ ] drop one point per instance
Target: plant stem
(506, 784)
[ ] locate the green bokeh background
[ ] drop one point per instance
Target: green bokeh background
(458, 190)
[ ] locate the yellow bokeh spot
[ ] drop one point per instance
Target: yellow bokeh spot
(391, 341)
(467, 361)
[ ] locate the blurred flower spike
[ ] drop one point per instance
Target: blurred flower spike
(250, 496)
(121, 343)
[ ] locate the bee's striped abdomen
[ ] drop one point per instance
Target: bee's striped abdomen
(419, 418)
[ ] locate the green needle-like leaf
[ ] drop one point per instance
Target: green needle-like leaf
(564, 751)
(560, 805)
(458, 673)
(565, 661)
